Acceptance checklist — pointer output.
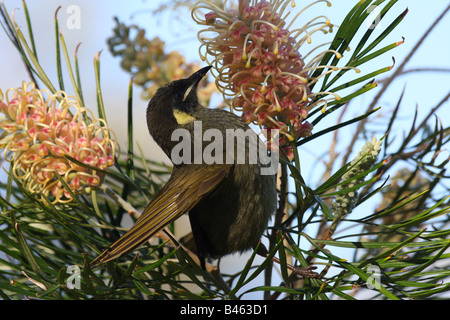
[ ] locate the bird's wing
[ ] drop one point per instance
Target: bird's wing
(180, 194)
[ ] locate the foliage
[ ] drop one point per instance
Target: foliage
(399, 249)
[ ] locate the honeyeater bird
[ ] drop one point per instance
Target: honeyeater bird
(229, 202)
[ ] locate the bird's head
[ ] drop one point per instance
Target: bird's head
(174, 105)
(178, 97)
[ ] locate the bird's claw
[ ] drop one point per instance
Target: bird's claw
(306, 272)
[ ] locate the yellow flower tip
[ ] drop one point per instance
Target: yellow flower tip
(357, 70)
(274, 27)
(275, 50)
(324, 109)
(338, 97)
(263, 88)
(291, 138)
(292, 3)
(248, 64)
(327, 22)
(88, 190)
(328, 4)
(348, 49)
(338, 55)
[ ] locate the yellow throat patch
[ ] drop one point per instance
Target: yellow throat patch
(182, 117)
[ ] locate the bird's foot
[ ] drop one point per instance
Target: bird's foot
(305, 272)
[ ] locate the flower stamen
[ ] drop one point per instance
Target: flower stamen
(260, 71)
(47, 128)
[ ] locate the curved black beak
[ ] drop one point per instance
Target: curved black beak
(194, 79)
(197, 76)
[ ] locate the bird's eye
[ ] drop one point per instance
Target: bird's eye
(178, 95)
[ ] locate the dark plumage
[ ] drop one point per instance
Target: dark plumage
(229, 204)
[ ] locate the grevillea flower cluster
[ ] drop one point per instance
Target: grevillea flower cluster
(43, 131)
(260, 70)
(150, 63)
(343, 204)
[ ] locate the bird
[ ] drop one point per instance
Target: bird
(229, 202)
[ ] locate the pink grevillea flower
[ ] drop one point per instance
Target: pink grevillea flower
(260, 71)
(43, 131)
